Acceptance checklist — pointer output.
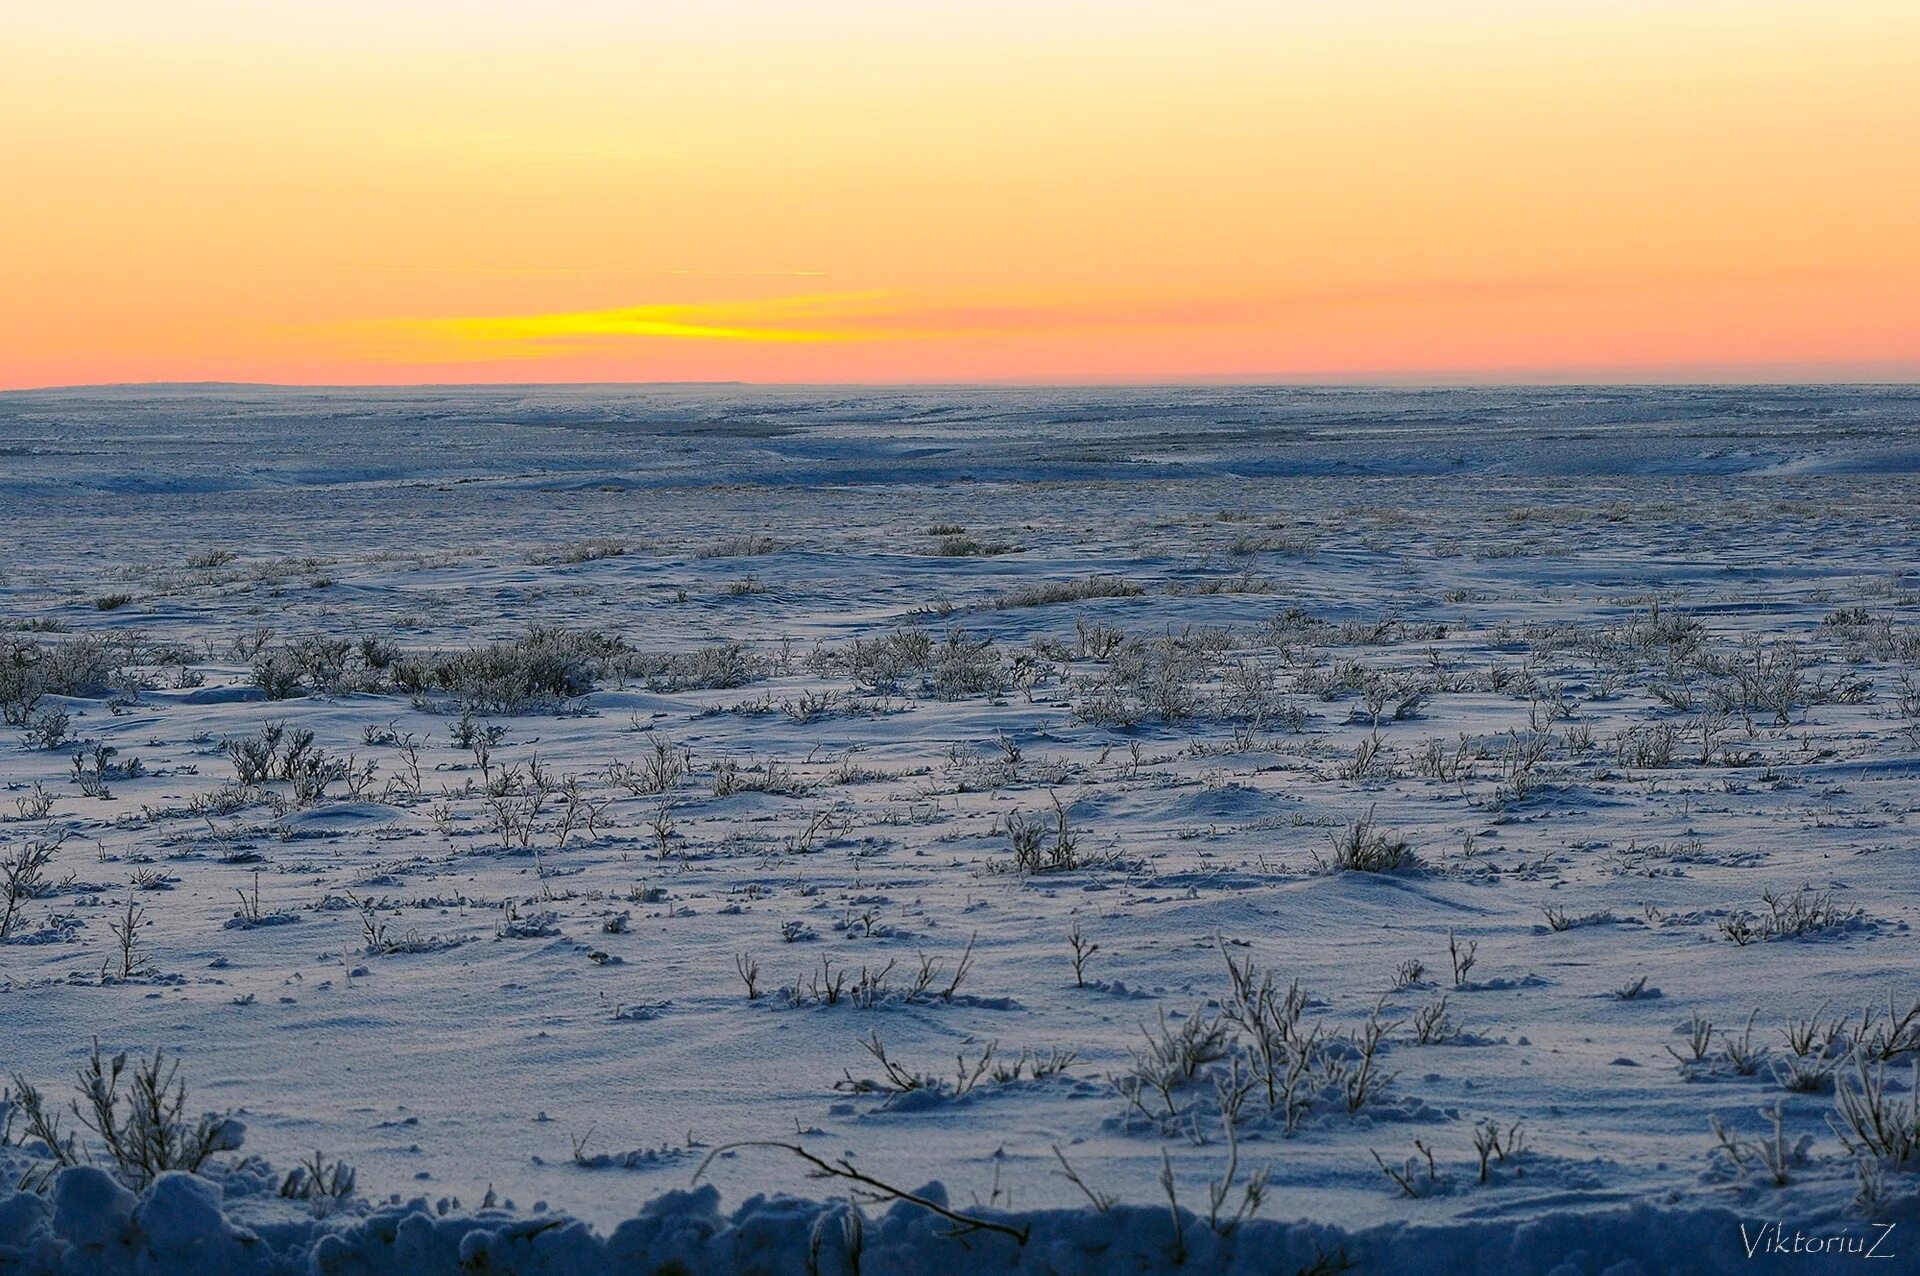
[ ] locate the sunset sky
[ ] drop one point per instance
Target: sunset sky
(889, 190)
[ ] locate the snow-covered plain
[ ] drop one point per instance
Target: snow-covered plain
(1629, 672)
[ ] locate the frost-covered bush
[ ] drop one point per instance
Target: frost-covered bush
(30, 671)
(1043, 593)
(954, 666)
(23, 877)
(277, 675)
(716, 667)
(587, 551)
(276, 753)
(48, 728)
(963, 665)
(750, 546)
(536, 671)
(134, 1116)
(885, 664)
(1363, 847)
(1159, 679)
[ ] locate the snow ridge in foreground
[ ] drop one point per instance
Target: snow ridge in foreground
(183, 1225)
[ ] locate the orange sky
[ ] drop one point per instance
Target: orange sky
(974, 190)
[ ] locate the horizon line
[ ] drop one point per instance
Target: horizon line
(1899, 375)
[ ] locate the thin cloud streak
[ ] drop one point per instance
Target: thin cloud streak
(799, 320)
(865, 317)
(558, 270)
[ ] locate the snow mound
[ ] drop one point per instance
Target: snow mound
(182, 1226)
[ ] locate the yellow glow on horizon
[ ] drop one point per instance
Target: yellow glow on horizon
(482, 337)
(377, 191)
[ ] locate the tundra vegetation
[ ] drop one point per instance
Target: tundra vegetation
(1080, 841)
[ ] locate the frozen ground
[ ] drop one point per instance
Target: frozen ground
(1629, 672)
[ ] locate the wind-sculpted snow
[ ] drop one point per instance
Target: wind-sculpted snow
(180, 1226)
(221, 440)
(1477, 822)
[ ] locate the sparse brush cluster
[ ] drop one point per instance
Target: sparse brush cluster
(1046, 593)
(96, 767)
(832, 983)
(1363, 847)
(133, 1116)
(524, 803)
(751, 545)
(1865, 636)
(520, 806)
(282, 766)
(1810, 1053)
(1276, 539)
(731, 776)
(539, 671)
(1159, 680)
(380, 939)
(23, 879)
(1256, 1059)
(953, 541)
(1875, 1117)
(656, 771)
(1497, 1146)
(1674, 657)
(543, 668)
(1250, 678)
(989, 1065)
(1806, 912)
(1045, 843)
(323, 665)
(718, 666)
(591, 550)
(83, 665)
(132, 1120)
(953, 666)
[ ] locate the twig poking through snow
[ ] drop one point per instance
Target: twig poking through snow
(843, 1169)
